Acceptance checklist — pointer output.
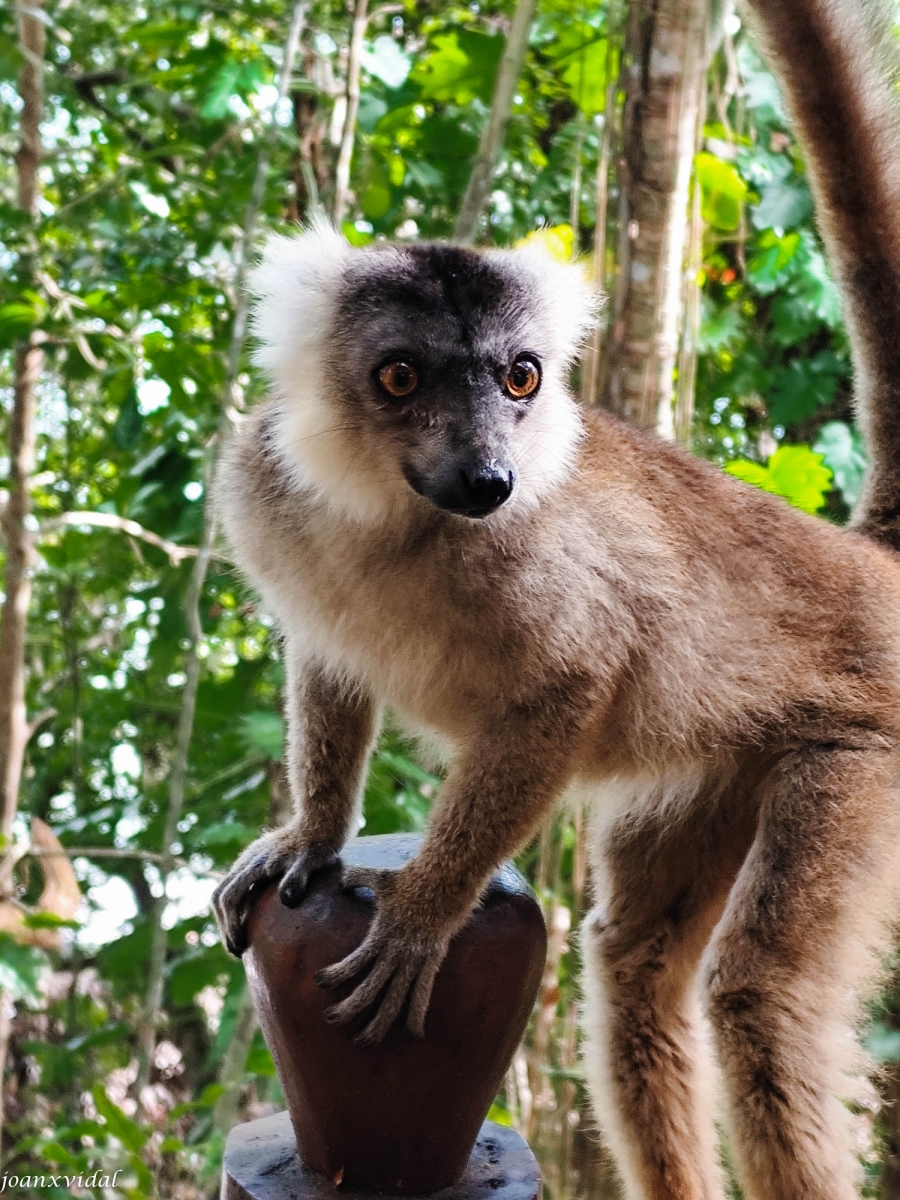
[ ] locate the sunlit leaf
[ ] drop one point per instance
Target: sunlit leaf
(723, 191)
(794, 472)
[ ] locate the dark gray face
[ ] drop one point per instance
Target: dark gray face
(436, 351)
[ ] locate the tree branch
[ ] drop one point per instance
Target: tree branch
(101, 520)
(152, 856)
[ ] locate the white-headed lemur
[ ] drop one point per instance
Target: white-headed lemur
(568, 603)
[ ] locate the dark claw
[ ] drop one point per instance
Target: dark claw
(274, 855)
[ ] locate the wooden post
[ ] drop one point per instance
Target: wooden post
(405, 1117)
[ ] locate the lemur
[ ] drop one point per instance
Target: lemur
(567, 603)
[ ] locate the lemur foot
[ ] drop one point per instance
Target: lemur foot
(402, 960)
(282, 852)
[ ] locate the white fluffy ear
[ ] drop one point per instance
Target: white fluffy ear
(294, 289)
(571, 301)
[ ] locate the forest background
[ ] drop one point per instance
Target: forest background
(146, 149)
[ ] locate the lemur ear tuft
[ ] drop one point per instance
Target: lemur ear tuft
(572, 302)
(294, 290)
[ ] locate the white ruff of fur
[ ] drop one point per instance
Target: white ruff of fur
(295, 289)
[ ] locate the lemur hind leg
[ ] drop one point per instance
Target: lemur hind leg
(788, 961)
(661, 878)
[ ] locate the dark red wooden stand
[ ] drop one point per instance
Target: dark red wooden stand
(404, 1117)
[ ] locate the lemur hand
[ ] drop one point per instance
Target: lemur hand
(283, 852)
(403, 950)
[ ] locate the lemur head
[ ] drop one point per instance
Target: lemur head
(426, 371)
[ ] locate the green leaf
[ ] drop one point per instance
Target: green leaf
(223, 87)
(384, 59)
(723, 191)
(128, 1132)
(582, 56)
(720, 328)
(20, 968)
(129, 423)
(461, 68)
(794, 472)
(803, 386)
(843, 449)
(376, 200)
(768, 269)
(17, 320)
(783, 204)
(259, 1060)
(264, 731)
(49, 920)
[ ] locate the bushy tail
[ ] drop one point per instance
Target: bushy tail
(838, 64)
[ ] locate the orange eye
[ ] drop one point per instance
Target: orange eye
(523, 378)
(398, 378)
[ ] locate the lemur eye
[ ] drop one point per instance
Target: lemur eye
(398, 378)
(524, 378)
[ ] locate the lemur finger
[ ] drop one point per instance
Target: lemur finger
(295, 884)
(390, 1006)
(363, 995)
(341, 972)
(421, 997)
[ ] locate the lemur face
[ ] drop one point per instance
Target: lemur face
(430, 370)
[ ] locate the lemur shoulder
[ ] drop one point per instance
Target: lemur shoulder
(565, 602)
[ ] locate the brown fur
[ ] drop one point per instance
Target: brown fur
(718, 672)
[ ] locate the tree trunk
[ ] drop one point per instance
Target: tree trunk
(665, 88)
(479, 185)
(19, 552)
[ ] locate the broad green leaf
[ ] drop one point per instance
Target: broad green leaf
(843, 449)
(783, 204)
(723, 191)
(769, 267)
(803, 386)
(583, 57)
(794, 472)
(20, 968)
(223, 87)
(461, 68)
(17, 320)
(720, 328)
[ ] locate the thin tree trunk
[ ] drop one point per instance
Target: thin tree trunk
(592, 364)
(231, 1069)
(14, 728)
(665, 85)
(230, 400)
(479, 185)
(345, 155)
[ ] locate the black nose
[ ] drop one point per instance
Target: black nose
(485, 487)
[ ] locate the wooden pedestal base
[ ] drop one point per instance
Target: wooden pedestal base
(261, 1163)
